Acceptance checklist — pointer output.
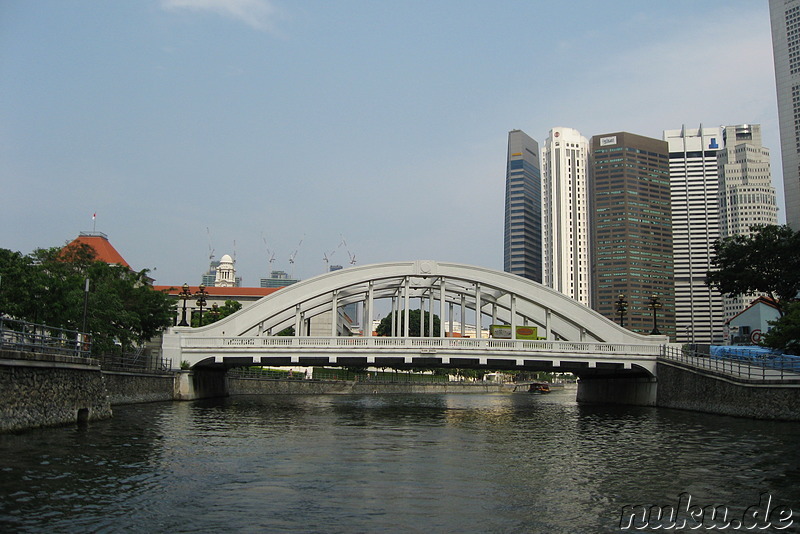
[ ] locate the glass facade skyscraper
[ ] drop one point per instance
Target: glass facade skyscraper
(522, 243)
(631, 229)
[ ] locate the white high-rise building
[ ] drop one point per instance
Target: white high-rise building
(694, 195)
(746, 194)
(785, 19)
(565, 214)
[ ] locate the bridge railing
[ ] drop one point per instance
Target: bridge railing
(31, 337)
(414, 343)
(766, 367)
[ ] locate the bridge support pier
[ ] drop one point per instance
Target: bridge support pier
(636, 391)
(200, 384)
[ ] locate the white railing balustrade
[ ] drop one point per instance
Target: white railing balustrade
(367, 344)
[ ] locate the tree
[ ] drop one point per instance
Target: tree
(767, 261)
(48, 287)
(230, 307)
(385, 326)
(785, 332)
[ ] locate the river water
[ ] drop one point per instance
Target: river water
(388, 463)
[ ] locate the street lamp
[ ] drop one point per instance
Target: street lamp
(655, 304)
(184, 295)
(214, 311)
(201, 300)
(622, 308)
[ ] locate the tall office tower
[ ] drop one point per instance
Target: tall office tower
(565, 214)
(785, 19)
(746, 195)
(631, 230)
(522, 242)
(694, 188)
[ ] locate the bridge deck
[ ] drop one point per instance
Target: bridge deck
(417, 352)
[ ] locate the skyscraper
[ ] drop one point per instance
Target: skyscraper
(631, 229)
(522, 248)
(785, 19)
(746, 195)
(694, 188)
(565, 214)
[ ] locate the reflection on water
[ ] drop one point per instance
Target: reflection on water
(386, 463)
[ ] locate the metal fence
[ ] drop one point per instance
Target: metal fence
(137, 362)
(31, 337)
(742, 364)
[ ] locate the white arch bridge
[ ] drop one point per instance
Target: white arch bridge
(573, 337)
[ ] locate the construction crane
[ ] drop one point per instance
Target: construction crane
(327, 258)
(292, 256)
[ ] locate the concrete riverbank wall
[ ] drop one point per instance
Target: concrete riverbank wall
(255, 386)
(49, 390)
(686, 388)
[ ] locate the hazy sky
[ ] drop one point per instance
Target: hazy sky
(190, 125)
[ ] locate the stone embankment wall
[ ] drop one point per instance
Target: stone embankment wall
(48, 390)
(133, 388)
(254, 386)
(689, 389)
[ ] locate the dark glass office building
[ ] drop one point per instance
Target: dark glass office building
(522, 251)
(631, 230)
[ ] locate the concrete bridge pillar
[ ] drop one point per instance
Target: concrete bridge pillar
(636, 391)
(200, 384)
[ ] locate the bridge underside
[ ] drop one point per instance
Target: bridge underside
(581, 368)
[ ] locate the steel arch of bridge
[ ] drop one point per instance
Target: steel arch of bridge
(440, 286)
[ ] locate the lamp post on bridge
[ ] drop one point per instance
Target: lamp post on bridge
(622, 309)
(201, 301)
(655, 304)
(184, 295)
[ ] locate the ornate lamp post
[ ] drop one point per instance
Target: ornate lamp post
(655, 304)
(214, 311)
(184, 295)
(201, 300)
(622, 308)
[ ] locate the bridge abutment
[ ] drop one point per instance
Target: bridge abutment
(636, 391)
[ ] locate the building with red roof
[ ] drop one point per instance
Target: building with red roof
(104, 250)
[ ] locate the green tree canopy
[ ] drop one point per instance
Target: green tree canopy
(48, 287)
(212, 316)
(767, 261)
(785, 332)
(385, 326)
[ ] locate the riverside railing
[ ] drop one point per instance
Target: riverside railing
(741, 364)
(136, 362)
(31, 337)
